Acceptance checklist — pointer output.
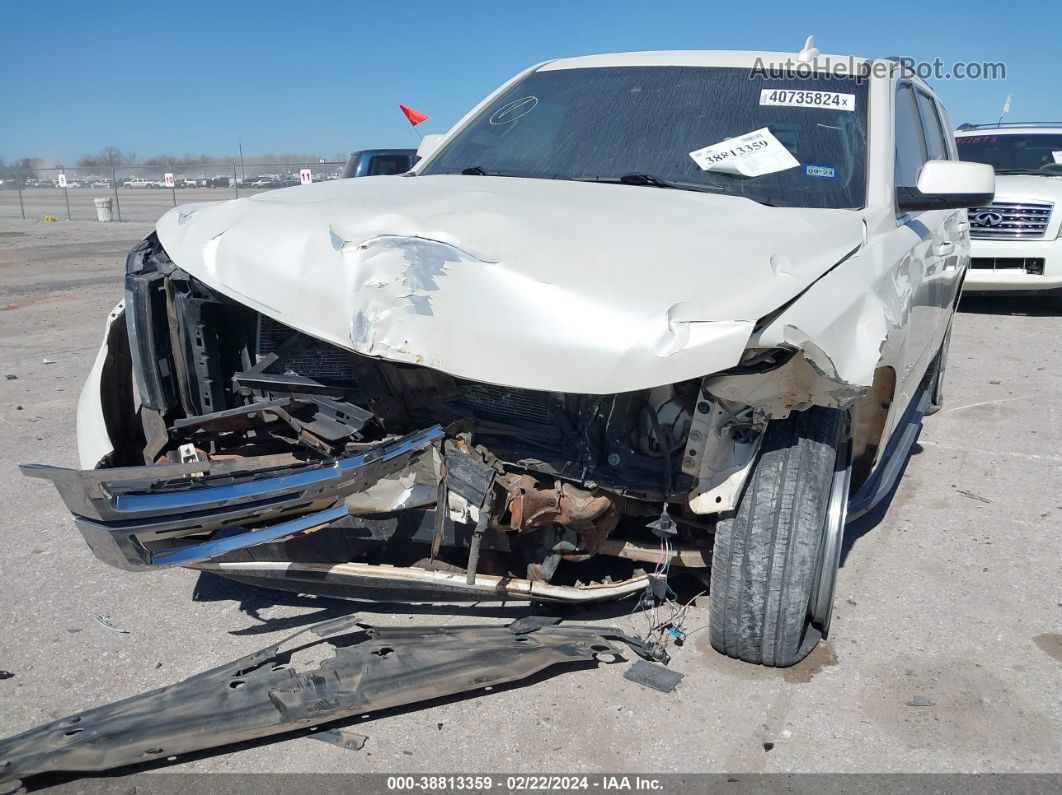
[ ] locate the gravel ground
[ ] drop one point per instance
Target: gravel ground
(950, 594)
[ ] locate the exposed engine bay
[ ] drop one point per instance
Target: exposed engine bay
(468, 486)
(448, 487)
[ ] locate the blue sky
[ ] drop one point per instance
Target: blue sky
(190, 77)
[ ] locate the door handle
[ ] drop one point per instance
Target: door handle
(943, 249)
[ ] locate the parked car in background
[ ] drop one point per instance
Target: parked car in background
(141, 182)
(644, 309)
(374, 162)
(1017, 239)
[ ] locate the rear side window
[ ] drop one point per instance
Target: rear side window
(936, 145)
(910, 143)
(389, 164)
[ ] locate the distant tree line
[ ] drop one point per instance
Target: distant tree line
(23, 167)
(112, 157)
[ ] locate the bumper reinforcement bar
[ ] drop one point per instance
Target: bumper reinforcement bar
(139, 518)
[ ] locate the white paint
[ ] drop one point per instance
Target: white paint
(541, 284)
(428, 144)
(93, 442)
(739, 59)
(941, 177)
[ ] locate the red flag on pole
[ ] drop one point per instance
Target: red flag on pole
(415, 116)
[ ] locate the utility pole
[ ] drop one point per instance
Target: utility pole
(243, 171)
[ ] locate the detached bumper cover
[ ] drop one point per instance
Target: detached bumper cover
(263, 694)
(139, 518)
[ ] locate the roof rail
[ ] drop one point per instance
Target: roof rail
(991, 126)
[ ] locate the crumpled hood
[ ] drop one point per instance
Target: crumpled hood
(539, 284)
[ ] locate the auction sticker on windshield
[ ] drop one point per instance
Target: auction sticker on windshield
(807, 99)
(751, 155)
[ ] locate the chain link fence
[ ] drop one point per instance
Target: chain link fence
(143, 193)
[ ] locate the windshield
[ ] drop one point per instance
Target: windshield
(632, 123)
(1015, 153)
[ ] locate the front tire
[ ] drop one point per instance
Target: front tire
(775, 559)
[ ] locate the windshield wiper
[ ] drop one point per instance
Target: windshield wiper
(646, 179)
(1023, 171)
(652, 181)
(479, 171)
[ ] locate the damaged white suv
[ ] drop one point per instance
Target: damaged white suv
(636, 315)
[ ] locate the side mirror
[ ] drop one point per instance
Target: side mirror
(428, 144)
(949, 184)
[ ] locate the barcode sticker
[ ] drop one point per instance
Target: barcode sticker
(750, 155)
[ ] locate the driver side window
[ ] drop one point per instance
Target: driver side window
(910, 142)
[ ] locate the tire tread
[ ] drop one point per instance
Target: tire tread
(766, 551)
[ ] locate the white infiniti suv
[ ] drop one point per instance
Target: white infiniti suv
(1015, 242)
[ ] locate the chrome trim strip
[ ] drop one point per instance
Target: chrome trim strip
(109, 495)
(196, 553)
(1018, 220)
(134, 518)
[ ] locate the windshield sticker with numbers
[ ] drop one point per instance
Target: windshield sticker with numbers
(829, 172)
(751, 155)
(807, 99)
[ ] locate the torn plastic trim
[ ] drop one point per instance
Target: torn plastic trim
(807, 378)
(721, 447)
(97, 423)
(264, 694)
(364, 578)
(131, 516)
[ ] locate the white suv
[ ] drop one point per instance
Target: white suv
(634, 310)
(1015, 239)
